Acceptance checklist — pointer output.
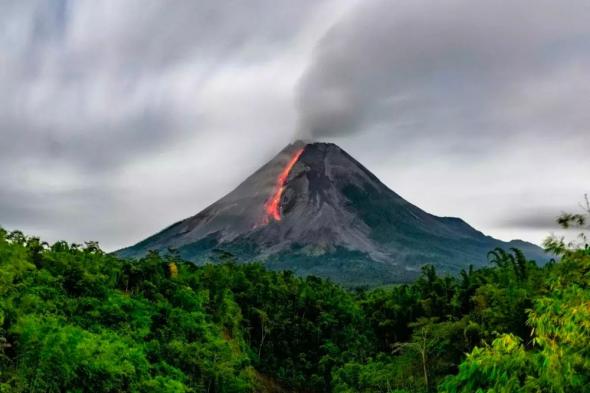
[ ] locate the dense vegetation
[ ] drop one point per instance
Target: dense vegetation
(74, 319)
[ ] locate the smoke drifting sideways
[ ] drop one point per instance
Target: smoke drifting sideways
(463, 69)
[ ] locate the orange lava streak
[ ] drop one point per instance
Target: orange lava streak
(272, 206)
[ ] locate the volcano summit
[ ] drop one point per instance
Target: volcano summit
(314, 209)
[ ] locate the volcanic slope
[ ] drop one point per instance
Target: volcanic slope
(315, 210)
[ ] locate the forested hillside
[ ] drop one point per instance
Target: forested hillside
(74, 319)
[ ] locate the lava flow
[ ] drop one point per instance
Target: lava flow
(272, 206)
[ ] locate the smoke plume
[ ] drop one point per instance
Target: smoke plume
(454, 68)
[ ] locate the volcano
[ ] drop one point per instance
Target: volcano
(315, 210)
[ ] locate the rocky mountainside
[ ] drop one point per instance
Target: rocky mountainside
(314, 209)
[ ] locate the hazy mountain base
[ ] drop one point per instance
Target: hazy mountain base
(355, 268)
(73, 319)
(350, 268)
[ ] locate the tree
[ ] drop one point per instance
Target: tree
(559, 320)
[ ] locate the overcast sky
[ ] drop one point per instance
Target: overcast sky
(118, 118)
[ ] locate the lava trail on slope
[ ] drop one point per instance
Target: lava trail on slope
(272, 206)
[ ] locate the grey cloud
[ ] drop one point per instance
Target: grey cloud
(97, 84)
(89, 89)
(535, 219)
(449, 69)
(76, 214)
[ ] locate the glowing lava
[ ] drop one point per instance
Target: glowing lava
(272, 206)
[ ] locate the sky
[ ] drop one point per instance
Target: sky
(121, 117)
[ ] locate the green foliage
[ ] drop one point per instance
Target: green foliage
(74, 319)
(556, 357)
(503, 367)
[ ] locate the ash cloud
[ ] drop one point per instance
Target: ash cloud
(469, 70)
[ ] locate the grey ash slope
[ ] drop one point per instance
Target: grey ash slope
(337, 221)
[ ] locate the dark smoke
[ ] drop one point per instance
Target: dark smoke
(445, 68)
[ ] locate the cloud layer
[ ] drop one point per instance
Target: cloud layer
(119, 117)
(92, 92)
(97, 83)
